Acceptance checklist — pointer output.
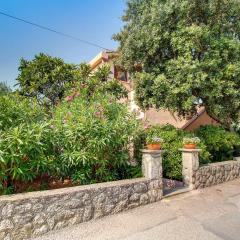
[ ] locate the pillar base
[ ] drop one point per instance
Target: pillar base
(190, 163)
(152, 163)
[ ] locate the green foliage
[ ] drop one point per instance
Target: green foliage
(115, 88)
(92, 137)
(153, 137)
(49, 79)
(15, 110)
(46, 78)
(217, 145)
(85, 137)
(190, 54)
(107, 83)
(100, 81)
(4, 88)
(24, 147)
(221, 144)
(236, 127)
(24, 152)
(192, 140)
(173, 141)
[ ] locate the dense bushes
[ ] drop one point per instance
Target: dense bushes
(85, 138)
(15, 110)
(25, 150)
(25, 153)
(92, 138)
(221, 144)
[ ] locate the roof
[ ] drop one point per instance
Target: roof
(98, 59)
(102, 56)
(199, 113)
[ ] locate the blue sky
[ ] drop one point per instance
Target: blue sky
(92, 20)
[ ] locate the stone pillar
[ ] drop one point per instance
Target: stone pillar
(190, 163)
(152, 164)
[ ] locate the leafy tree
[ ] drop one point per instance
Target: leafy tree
(49, 79)
(189, 51)
(45, 78)
(4, 89)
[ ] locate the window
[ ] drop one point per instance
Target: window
(120, 74)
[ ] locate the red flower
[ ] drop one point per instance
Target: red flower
(98, 114)
(146, 126)
(69, 98)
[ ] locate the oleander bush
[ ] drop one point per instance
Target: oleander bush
(85, 138)
(15, 109)
(92, 138)
(25, 150)
(25, 154)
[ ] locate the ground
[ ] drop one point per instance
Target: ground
(208, 214)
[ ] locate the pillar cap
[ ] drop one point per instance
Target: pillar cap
(190, 150)
(151, 151)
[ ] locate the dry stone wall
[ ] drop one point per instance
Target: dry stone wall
(32, 214)
(216, 173)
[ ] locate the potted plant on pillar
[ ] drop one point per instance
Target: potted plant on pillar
(153, 142)
(190, 142)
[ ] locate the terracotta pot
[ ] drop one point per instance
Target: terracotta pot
(154, 146)
(190, 146)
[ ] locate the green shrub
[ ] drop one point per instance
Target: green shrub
(15, 110)
(92, 138)
(87, 139)
(4, 88)
(221, 144)
(25, 153)
(236, 127)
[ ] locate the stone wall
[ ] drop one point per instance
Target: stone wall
(32, 214)
(216, 173)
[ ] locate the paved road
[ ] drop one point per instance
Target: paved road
(209, 214)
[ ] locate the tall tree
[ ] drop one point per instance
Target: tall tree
(46, 78)
(190, 54)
